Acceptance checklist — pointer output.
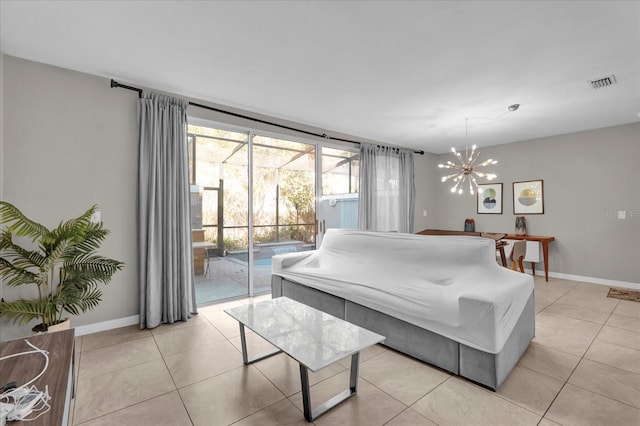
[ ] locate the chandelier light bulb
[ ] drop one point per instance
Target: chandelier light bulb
(473, 150)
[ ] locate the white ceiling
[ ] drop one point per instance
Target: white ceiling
(403, 73)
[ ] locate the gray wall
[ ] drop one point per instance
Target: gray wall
(68, 141)
(588, 176)
(426, 175)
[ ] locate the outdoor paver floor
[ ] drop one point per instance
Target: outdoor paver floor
(228, 278)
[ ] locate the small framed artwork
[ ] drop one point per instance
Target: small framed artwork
(490, 198)
(528, 197)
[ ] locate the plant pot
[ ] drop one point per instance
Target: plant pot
(65, 324)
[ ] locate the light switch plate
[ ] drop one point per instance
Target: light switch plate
(96, 216)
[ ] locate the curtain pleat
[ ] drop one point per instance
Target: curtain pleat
(165, 247)
(387, 189)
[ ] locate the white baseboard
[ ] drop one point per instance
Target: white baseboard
(592, 280)
(107, 325)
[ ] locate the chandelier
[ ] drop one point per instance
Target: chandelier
(465, 169)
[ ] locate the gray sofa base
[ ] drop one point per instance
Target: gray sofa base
(485, 368)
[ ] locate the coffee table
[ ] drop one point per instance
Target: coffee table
(313, 338)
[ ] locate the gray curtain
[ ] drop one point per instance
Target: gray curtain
(387, 189)
(164, 220)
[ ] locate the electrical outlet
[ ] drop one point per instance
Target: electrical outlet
(96, 216)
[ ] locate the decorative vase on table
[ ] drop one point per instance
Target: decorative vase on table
(469, 225)
(521, 225)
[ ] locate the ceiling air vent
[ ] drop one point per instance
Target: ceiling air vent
(602, 82)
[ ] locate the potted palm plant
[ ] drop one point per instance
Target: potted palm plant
(61, 263)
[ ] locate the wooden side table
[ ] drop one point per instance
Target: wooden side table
(58, 376)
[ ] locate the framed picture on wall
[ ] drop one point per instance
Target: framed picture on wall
(490, 198)
(528, 197)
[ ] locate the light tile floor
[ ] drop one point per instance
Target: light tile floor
(583, 368)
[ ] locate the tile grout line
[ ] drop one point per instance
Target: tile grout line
(176, 390)
(578, 363)
(565, 382)
(601, 363)
(127, 407)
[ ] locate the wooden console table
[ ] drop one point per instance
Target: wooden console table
(58, 377)
(545, 249)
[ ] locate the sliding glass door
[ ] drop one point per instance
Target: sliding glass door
(255, 195)
(218, 166)
(283, 209)
(252, 196)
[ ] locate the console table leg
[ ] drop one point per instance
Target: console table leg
(545, 256)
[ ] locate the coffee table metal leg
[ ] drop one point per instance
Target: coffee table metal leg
(312, 414)
(306, 395)
(245, 357)
(353, 374)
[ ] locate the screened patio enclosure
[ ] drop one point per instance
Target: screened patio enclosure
(230, 168)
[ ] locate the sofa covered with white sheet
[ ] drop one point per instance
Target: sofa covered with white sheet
(441, 299)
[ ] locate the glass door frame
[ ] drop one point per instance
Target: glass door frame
(283, 137)
(251, 132)
(320, 221)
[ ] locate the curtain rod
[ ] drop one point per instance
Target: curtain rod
(210, 108)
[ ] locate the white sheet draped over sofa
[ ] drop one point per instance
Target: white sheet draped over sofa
(447, 284)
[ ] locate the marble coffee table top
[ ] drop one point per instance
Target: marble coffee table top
(313, 338)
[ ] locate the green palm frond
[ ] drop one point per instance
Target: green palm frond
(5, 239)
(22, 311)
(73, 229)
(19, 223)
(93, 238)
(56, 254)
(68, 251)
(16, 276)
(75, 301)
(18, 255)
(93, 267)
